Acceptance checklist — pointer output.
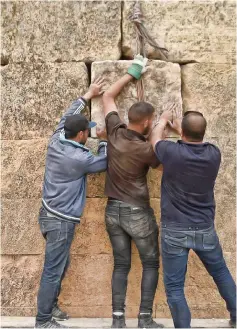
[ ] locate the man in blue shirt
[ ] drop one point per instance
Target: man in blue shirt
(190, 168)
(68, 162)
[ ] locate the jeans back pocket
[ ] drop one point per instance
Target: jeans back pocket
(174, 244)
(210, 240)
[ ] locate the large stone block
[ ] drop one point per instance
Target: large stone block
(224, 195)
(211, 89)
(162, 83)
(20, 277)
(87, 285)
(202, 31)
(19, 226)
(91, 237)
(23, 163)
(35, 96)
(61, 31)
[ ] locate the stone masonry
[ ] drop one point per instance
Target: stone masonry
(50, 52)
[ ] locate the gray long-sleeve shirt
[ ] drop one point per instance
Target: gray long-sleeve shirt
(67, 165)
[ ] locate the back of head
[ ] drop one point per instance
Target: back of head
(194, 126)
(139, 112)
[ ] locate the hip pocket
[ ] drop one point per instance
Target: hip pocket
(54, 230)
(210, 240)
(140, 223)
(174, 245)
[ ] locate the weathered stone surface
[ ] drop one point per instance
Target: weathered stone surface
(20, 280)
(224, 195)
(91, 236)
(19, 226)
(210, 89)
(35, 96)
(162, 83)
(23, 163)
(92, 273)
(202, 31)
(61, 31)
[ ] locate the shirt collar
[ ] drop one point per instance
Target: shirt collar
(180, 141)
(137, 134)
(63, 140)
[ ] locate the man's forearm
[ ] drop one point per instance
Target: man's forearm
(117, 87)
(113, 91)
(157, 133)
(87, 96)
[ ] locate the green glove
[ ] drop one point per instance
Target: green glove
(138, 66)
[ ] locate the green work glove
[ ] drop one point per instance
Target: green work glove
(138, 66)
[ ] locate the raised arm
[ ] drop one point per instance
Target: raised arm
(113, 91)
(79, 104)
(134, 71)
(157, 133)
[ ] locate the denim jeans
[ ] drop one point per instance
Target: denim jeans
(176, 244)
(125, 223)
(59, 236)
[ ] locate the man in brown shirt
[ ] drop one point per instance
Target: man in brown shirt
(128, 212)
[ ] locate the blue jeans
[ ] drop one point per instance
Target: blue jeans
(59, 236)
(176, 243)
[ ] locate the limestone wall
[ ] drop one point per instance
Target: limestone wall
(49, 53)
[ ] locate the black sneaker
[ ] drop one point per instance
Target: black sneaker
(58, 314)
(232, 324)
(118, 321)
(146, 321)
(49, 324)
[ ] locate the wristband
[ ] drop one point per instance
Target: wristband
(84, 100)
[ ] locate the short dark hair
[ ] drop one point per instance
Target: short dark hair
(70, 134)
(194, 126)
(139, 111)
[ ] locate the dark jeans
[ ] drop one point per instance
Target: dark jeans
(124, 223)
(176, 244)
(59, 236)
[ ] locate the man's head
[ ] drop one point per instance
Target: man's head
(141, 115)
(77, 127)
(193, 126)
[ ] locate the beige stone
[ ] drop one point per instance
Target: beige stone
(91, 237)
(87, 285)
(19, 226)
(162, 84)
(61, 31)
(202, 31)
(23, 163)
(20, 280)
(210, 89)
(36, 95)
(225, 196)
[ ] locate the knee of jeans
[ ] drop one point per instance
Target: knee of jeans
(150, 262)
(52, 276)
(124, 265)
(174, 293)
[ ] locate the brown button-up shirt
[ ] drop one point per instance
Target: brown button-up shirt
(129, 157)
